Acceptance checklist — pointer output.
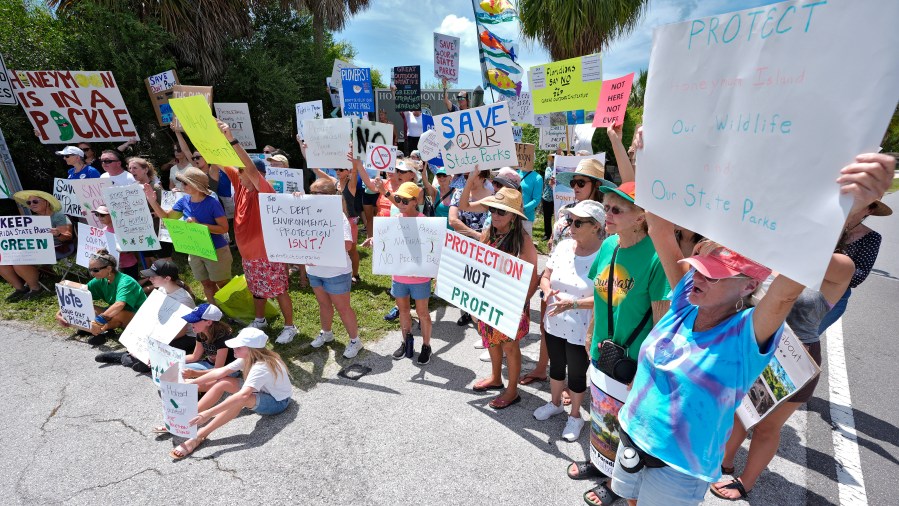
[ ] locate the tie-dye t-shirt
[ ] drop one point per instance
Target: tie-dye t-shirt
(689, 384)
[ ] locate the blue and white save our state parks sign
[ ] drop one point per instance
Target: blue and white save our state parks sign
(481, 136)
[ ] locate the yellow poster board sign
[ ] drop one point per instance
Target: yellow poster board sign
(567, 85)
(196, 118)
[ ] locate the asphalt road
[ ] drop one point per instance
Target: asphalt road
(77, 432)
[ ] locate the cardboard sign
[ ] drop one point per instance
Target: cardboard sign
(66, 107)
(566, 85)
(160, 87)
(237, 116)
(65, 194)
(613, 101)
(197, 121)
(308, 110)
(162, 357)
(564, 194)
(326, 142)
(755, 169)
(481, 136)
(606, 398)
(90, 195)
(380, 157)
(159, 317)
(303, 230)
(489, 284)
(26, 240)
(408, 88)
(407, 246)
(283, 180)
(180, 91)
(191, 238)
(555, 137)
(358, 95)
(521, 110)
(179, 403)
(7, 95)
(446, 57)
(90, 241)
(76, 304)
(525, 155)
(365, 132)
(131, 218)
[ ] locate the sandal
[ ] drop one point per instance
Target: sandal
(733, 485)
(727, 470)
(500, 403)
(182, 451)
(529, 378)
(585, 470)
(483, 387)
(159, 429)
(604, 493)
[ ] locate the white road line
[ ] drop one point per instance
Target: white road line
(845, 441)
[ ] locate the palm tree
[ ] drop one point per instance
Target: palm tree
(328, 14)
(638, 90)
(572, 28)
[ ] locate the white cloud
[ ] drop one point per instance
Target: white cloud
(461, 27)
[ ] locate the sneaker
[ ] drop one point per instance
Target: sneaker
(425, 356)
(98, 339)
(393, 314)
(479, 344)
(140, 367)
(323, 337)
(485, 357)
(572, 429)
(464, 320)
(33, 294)
(410, 346)
(257, 324)
(287, 335)
(110, 357)
(128, 360)
(16, 295)
(548, 410)
(353, 348)
(401, 351)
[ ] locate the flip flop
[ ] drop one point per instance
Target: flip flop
(499, 403)
(735, 484)
(605, 495)
(181, 451)
(727, 470)
(528, 379)
(585, 470)
(481, 387)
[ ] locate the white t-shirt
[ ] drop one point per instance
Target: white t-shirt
(262, 379)
(123, 179)
(413, 124)
(570, 278)
(174, 184)
(182, 297)
(330, 272)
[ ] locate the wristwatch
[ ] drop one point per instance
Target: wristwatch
(235, 142)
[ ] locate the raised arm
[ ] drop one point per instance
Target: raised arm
(625, 169)
(446, 100)
(464, 204)
(661, 231)
(182, 142)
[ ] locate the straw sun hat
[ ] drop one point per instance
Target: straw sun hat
(506, 199)
(588, 167)
(23, 196)
(196, 178)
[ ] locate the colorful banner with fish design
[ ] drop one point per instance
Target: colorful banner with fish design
(497, 23)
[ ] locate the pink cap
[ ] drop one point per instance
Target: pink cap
(724, 263)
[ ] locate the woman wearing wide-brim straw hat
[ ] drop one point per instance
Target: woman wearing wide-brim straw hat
(506, 233)
(25, 278)
(199, 206)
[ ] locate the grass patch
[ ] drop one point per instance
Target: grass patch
(895, 186)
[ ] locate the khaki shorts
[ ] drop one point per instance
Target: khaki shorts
(216, 270)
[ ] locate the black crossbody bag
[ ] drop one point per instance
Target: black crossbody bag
(613, 359)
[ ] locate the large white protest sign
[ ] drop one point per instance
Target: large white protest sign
(327, 143)
(162, 357)
(446, 57)
(7, 95)
(285, 180)
(335, 71)
(582, 140)
(66, 107)
(407, 246)
(179, 403)
(131, 218)
(65, 194)
(26, 240)
(563, 194)
(761, 127)
(90, 241)
(237, 116)
(521, 109)
(369, 131)
(159, 317)
(303, 230)
(90, 194)
(556, 137)
(606, 398)
(76, 304)
(481, 136)
(167, 202)
(484, 281)
(380, 157)
(308, 110)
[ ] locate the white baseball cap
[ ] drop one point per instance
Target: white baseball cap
(70, 150)
(249, 337)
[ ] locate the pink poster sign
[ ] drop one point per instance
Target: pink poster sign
(613, 101)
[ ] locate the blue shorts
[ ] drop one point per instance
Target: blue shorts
(417, 291)
(662, 485)
(267, 405)
(337, 285)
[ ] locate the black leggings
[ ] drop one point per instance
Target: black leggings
(574, 356)
(548, 209)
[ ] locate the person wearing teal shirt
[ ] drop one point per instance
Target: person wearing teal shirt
(531, 193)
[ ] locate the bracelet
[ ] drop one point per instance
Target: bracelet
(235, 142)
(101, 320)
(574, 304)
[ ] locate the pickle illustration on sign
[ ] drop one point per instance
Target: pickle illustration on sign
(66, 132)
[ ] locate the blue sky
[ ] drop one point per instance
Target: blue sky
(399, 32)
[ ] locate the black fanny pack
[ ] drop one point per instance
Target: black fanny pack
(632, 459)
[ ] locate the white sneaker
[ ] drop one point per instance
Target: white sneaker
(322, 339)
(572, 429)
(485, 357)
(547, 410)
(479, 344)
(353, 349)
(286, 335)
(256, 324)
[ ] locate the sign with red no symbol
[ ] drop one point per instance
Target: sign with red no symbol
(380, 157)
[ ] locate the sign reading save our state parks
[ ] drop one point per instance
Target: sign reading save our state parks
(481, 136)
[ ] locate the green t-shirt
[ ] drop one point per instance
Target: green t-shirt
(123, 288)
(639, 279)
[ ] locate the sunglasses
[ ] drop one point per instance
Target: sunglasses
(266, 152)
(614, 210)
(107, 161)
(714, 281)
(196, 157)
(67, 156)
(95, 270)
(342, 170)
(442, 175)
(99, 215)
(578, 223)
(84, 148)
(177, 149)
(579, 183)
(400, 200)
(498, 212)
(30, 202)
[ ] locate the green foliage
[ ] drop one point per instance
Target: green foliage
(632, 119)
(891, 138)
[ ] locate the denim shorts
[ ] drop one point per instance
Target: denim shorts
(337, 285)
(417, 291)
(660, 485)
(267, 405)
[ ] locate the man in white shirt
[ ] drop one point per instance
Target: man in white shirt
(112, 165)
